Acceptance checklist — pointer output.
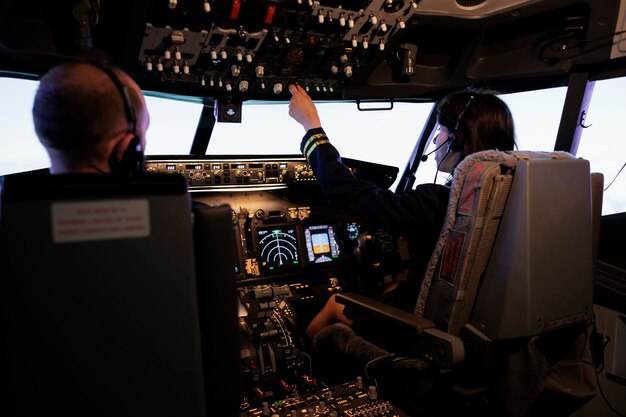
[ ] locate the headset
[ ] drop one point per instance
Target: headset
(132, 161)
(453, 145)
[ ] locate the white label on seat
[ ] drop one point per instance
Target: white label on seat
(100, 220)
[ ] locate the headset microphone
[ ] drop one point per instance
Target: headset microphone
(424, 158)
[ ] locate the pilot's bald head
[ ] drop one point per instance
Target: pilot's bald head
(78, 110)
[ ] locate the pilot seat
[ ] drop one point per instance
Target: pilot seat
(503, 319)
(108, 300)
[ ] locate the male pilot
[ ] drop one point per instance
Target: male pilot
(91, 118)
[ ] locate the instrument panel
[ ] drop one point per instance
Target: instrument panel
(258, 48)
(294, 250)
(282, 222)
(215, 173)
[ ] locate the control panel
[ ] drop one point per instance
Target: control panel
(257, 48)
(276, 372)
(270, 172)
(294, 250)
(220, 173)
(348, 399)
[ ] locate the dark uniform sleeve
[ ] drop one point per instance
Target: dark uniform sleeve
(418, 214)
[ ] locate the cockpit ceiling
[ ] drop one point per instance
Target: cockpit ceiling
(337, 49)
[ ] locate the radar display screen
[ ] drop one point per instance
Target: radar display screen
(321, 245)
(278, 247)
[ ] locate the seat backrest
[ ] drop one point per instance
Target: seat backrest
(216, 263)
(540, 275)
(98, 297)
(502, 206)
(477, 197)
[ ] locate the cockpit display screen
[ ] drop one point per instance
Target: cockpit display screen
(321, 244)
(278, 247)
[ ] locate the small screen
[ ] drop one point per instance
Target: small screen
(170, 167)
(321, 245)
(278, 247)
(353, 231)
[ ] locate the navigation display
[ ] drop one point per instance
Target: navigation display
(278, 247)
(321, 245)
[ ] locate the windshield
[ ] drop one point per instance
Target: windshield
(384, 137)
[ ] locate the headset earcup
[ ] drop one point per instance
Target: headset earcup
(132, 161)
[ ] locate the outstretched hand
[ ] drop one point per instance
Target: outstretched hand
(302, 109)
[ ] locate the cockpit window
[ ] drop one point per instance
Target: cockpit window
(383, 136)
(173, 125)
(602, 141)
(20, 149)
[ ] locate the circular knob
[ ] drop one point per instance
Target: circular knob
(372, 393)
(243, 85)
(278, 88)
(348, 71)
(259, 71)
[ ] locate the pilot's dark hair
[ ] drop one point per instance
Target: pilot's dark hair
(75, 114)
(484, 121)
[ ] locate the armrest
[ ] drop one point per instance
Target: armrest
(442, 349)
(393, 317)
